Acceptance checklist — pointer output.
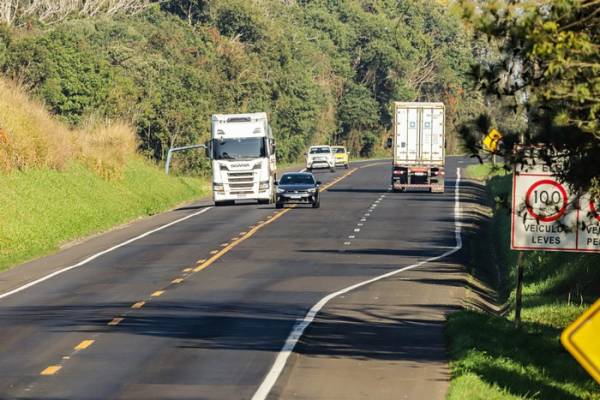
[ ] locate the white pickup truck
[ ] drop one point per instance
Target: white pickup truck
(320, 157)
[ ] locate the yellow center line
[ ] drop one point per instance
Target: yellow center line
(158, 293)
(51, 370)
(138, 305)
(218, 254)
(178, 280)
(116, 321)
(84, 344)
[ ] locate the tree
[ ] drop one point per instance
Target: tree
(548, 76)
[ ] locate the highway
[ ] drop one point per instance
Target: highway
(201, 309)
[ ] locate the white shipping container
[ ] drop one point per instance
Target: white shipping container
(419, 133)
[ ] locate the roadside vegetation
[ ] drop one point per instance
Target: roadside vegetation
(490, 358)
(324, 71)
(58, 184)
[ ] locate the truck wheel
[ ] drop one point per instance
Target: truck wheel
(224, 203)
(278, 205)
(332, 169)
(264, 201)
(347, 166)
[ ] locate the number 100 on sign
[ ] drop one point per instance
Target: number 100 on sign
(546, 216)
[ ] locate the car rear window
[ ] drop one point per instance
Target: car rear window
(296, 179)
(320, 150)
(340, 150)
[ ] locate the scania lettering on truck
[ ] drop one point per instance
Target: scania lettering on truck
(419, 146)
(242, 153)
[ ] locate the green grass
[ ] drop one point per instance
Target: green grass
(490, 359)
(481, 172)
(43, 208)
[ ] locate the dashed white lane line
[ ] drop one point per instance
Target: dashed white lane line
(357, 230)
(298, 330)
(100, 254)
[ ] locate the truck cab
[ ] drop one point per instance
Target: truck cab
(242, 153)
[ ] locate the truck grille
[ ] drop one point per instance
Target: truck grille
(241, 182)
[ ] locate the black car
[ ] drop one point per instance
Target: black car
(298, 187)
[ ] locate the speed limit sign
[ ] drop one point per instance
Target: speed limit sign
(546, 216)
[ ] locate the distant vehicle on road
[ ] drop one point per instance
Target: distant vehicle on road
(418, 146)
(341, 156)
(242, 153)
(298, 187)
(320, 157)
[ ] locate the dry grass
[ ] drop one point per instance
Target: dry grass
(31, 138)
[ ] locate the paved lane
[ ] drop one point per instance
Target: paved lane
(215, 334)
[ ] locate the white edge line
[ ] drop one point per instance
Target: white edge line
(93, 257)
(288, 347)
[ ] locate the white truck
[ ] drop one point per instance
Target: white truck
(242, 154)
(418, 145)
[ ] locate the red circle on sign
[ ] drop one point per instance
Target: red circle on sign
(593, 210)
(547, 218)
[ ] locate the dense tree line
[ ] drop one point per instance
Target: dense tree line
(547, 78)
(326, 71)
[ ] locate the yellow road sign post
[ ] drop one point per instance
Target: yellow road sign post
(582, 340)
(490, 142)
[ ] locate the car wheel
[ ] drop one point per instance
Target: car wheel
(347, 166)
(316, 204)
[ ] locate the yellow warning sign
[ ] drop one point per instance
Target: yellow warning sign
(581, 340)
(490, 142)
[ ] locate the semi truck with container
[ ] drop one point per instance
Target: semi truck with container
(242, 154)
(418, 145)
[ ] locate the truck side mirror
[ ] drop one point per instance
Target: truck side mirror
(389, 143)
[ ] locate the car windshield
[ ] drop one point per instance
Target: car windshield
(340, 150)
(238, 149)
(320, 150)
(297, 179)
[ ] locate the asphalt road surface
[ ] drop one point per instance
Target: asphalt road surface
(202, 308)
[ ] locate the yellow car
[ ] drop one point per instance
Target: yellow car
(341, 156)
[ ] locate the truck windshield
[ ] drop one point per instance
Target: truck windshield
(320, 150)
(237, 149)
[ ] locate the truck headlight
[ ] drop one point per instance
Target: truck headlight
(263, 185)
(218, 187)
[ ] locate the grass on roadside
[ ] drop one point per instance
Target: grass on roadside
(490, 359)
(43, 208)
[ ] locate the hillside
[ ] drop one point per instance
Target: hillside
(324, 71)
(58, 184)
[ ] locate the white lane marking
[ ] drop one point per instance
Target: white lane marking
(351, 237)
(347, 243)
(363, 220)
(288, 347)
(356, 230)
(93, 257)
